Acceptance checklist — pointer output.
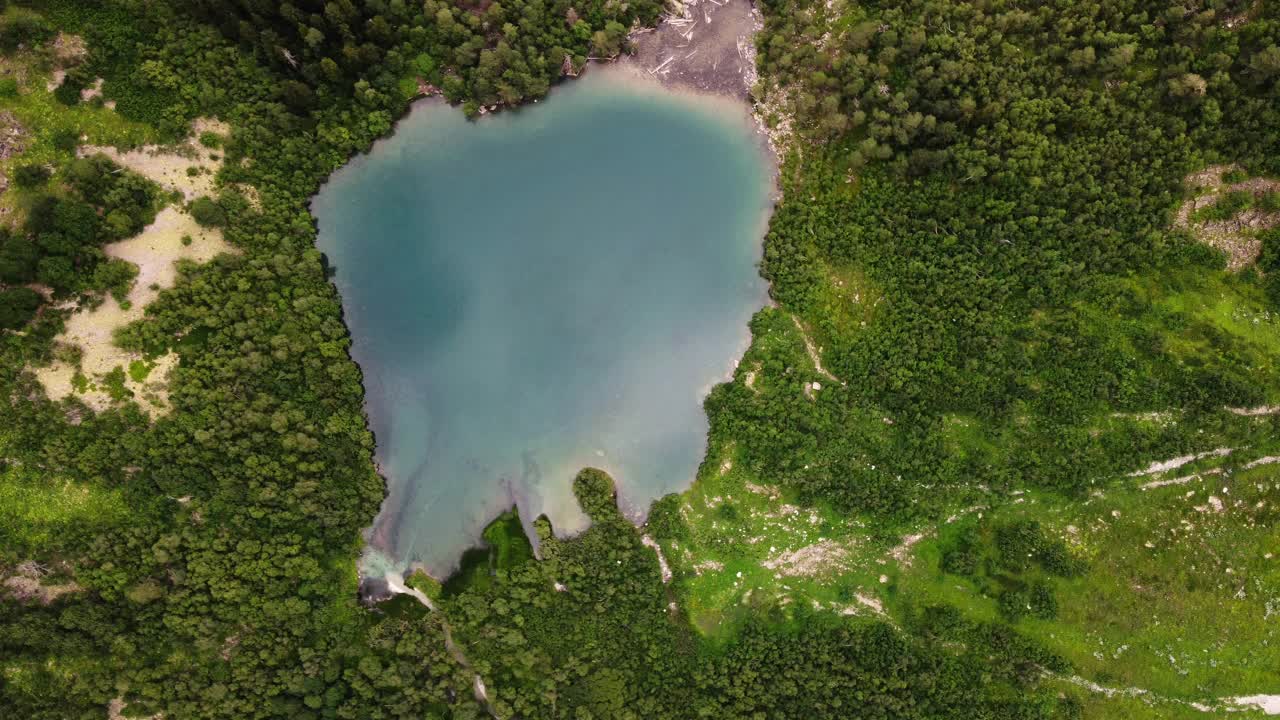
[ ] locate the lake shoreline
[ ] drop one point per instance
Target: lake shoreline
(714, 72)
(626, 92)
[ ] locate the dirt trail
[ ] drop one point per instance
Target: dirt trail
(662, 560)
(395, 584)
(1161, 466)
(1268, 704)
(813, 352)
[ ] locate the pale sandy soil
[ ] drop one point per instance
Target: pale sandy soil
(93, 91)
(904, 552)
(1161, 466)
(155, 252)
(1268, 704)
(167, 166)
(115, 711)
(68, 51)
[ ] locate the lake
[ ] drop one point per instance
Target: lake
(539, 291)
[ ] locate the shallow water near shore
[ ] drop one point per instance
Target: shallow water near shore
(540, 291)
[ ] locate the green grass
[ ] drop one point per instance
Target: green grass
(846, 305)
(35, 510)
(1179, 599)
(737, 520)
(139, 370)
(738, 524)
(43, 117)
(505, 546)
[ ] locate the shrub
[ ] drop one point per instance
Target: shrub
(22, 27)
(210, 139)
(114, 383)
(116, 277)
(1227, 206)
(139, 370)
(18, 257)
(68, 93)
(31, 176)
(8, 87)
(17, 307)
(207, 212)
(66, 140)
(960, 557)
(1043, 603)
(1014, 604)
(1234, 176)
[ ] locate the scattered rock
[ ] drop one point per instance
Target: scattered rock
(821, 557)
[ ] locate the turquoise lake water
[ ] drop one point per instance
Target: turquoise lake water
(539, 291)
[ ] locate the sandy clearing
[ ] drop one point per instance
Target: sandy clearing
(168, 166)
(115, 711)
(154, 251)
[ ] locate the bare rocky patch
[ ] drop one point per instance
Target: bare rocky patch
(708, 47)
(30, 584)
(701, 45)
(1237, 236)
(69, 50)
(820, 558)
(13, 140)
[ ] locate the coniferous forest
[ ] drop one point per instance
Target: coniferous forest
(1026, 253)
